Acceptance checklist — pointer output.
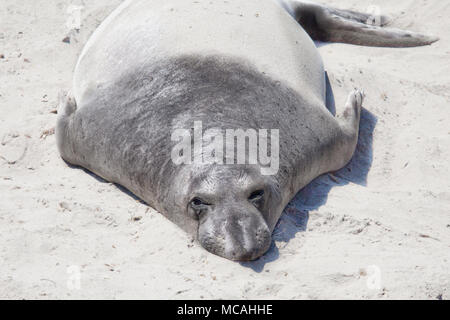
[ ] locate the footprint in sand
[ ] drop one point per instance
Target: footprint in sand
(13, 148)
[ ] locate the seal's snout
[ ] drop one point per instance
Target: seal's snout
(253, 250)
(239, 237)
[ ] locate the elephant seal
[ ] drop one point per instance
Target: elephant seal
(155, 67)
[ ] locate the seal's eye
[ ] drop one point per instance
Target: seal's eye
(198, 203)
(256, 195)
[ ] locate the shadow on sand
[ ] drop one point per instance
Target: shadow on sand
(295, 216)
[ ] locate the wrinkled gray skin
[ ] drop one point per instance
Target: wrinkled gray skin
(156, 66)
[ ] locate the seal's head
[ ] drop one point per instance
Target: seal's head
(233, 206)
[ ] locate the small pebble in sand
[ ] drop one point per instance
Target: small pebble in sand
(65, 206)
(47, 133)
(2, 56)
(66, 40)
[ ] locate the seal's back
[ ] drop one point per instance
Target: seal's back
(141, 32)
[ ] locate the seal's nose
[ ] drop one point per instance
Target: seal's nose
(252, 247)
(240, 253)
(235, 235)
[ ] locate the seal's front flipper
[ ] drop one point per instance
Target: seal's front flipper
(66, 109)
(350, 117)
(349, 124)
(333, 25)
(67, 104)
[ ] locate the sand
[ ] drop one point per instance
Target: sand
(377, 229)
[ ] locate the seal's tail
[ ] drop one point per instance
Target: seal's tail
(333, 25)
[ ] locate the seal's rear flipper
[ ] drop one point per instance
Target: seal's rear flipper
(333, 25)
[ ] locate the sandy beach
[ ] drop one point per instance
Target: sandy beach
(377, 229)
